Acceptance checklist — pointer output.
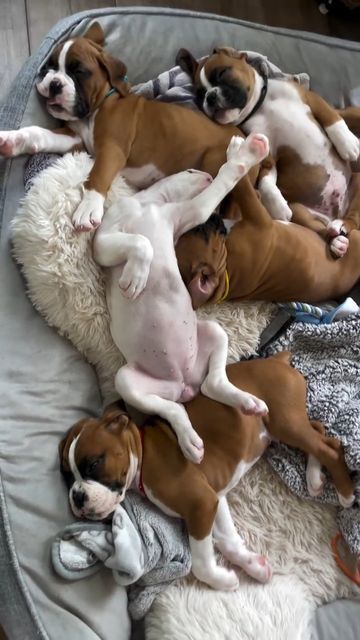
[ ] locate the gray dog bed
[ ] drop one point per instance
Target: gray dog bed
(45, 385)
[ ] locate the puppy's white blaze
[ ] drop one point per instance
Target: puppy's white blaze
(63, 54)
(74, 470)
(203, 79)
(133, 467)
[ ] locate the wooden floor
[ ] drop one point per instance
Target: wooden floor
(24, 23)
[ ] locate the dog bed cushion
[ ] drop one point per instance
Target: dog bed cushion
(45, 384)
(67, 287)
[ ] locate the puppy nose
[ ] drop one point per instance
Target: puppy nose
(211, 98)
(79, 498)
(55, 88)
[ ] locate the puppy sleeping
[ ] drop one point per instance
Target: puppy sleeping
(170, 355)
(310, 143)
(103, 457)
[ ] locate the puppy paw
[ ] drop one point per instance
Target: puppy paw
(246, 153)
(346, 502)
(252, 406)
(345, 142)
(339, 246)
(192, 447)
(134, 278)
(14, 143)
(258, 568)
(90, 211)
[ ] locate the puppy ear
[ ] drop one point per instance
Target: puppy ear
(95, 33)
(202, 286)
(187, 62)
(116, 71)
(231, 52)
(116, 419)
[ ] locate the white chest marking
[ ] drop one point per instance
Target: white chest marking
(85, 129)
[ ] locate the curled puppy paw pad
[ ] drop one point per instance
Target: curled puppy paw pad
(346, 502)
(192, 447)
(335, 228)
(339, 246)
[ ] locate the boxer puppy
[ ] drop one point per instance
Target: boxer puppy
(87, 88)
(103, 457)
(310, 143)
(264, 259)
(170, 355)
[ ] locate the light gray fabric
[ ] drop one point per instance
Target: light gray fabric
(44, 383)
(339, 620)
(143, 547)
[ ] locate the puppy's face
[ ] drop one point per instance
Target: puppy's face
(223, 83)
(98, 459)
(201, 255)
(77, 75)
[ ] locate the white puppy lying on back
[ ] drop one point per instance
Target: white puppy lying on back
(170, 354)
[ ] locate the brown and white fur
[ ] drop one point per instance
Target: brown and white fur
(310, 143)
(103, 457)
(170, 354)
(146, 140)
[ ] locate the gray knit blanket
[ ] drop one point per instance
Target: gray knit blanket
(144, 548)
(328, 355)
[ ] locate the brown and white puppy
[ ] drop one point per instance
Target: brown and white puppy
(103, 457)
(264, 259)
(87, 88)
(310, 143)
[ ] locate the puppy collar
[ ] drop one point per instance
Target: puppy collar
(114, 90)
(227, 287)
(261, 99)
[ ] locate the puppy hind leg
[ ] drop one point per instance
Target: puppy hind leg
(233, 547)
(147, 395)
(199, 520)
(213, 346)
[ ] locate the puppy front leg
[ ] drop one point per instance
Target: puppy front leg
(271, 196)
(109, 160)
(36, 139)
(241, 156)
(149, 395)
(112, 247)
(346, 143)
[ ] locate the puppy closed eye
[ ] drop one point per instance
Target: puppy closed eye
(90, 467)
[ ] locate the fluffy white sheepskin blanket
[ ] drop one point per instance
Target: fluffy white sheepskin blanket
(67, 288)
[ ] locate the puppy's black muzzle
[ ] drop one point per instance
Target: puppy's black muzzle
(79, 498)
(55, 88)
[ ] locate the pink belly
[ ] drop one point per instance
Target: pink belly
(334, 196)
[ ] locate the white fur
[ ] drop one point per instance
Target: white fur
(344, 141)
(90, 211)
(67, 287)
(170, 355)
(67, 97)
(33, 140)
